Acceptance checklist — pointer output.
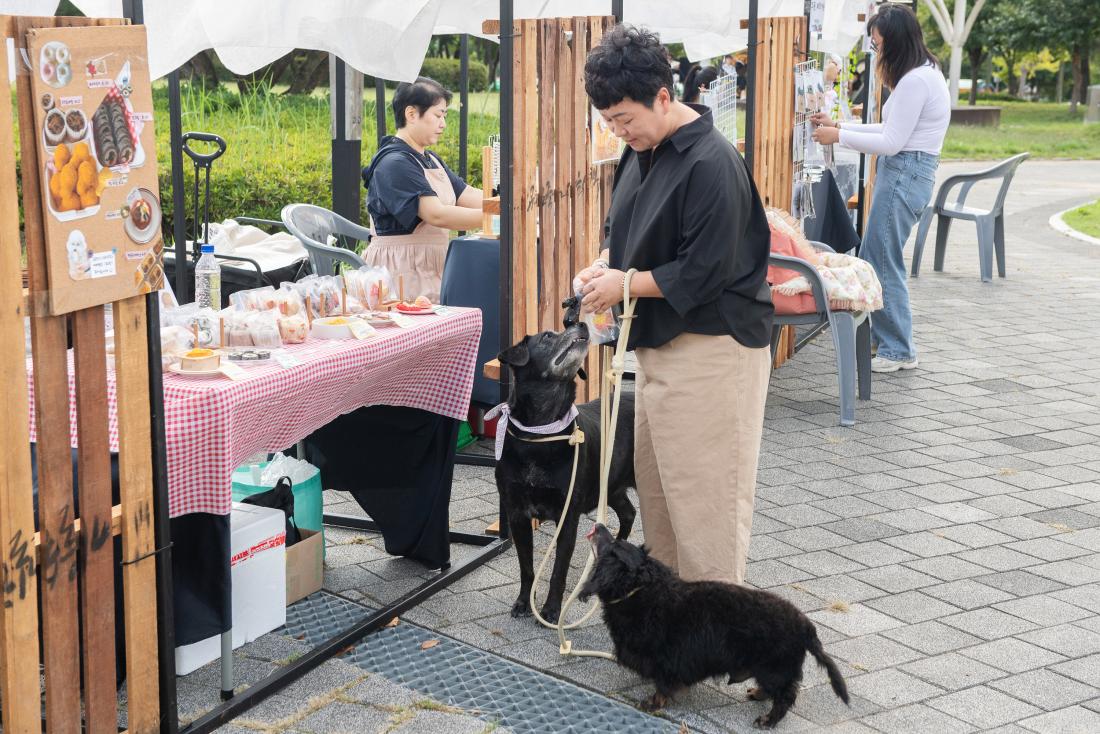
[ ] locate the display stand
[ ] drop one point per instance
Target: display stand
(70, 556)
(559, 194)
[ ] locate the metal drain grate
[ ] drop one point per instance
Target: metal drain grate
(524, 700)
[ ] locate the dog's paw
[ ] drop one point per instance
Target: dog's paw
(550, 612)
(656, 702)
(521, 609)
(763, 722)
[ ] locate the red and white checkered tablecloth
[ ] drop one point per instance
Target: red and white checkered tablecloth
(213, 425)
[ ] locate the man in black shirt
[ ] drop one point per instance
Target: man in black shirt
(685, 214)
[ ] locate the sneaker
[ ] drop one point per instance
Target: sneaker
(882, 364)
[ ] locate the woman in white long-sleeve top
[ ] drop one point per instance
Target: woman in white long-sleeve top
(908, 143)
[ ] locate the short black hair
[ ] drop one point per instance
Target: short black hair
(423, 94)
(628, 63)
(903, 43)
(697, 77)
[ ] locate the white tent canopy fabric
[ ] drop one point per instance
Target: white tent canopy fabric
(389, 38)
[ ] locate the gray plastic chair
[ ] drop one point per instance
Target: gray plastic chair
(851, 331)
(990, 222)
(312, 225)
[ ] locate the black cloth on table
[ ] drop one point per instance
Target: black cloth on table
(832, 223)
(398, 463)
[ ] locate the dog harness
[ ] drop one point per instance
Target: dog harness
(504, 411)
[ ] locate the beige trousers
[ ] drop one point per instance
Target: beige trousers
(699, 415)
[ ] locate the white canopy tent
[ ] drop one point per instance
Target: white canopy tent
(389, 39)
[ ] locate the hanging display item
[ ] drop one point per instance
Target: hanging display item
(101, 206)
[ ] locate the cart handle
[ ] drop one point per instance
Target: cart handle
(203, 159)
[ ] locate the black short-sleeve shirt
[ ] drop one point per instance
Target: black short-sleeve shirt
(395, 182)
(688, 211)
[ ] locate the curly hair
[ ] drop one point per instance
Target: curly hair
(628, 63)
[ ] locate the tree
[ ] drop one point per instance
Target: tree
(1070, 26)
(955, 28)
(1011, 30)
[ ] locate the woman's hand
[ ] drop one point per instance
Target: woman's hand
(827, 135)
(602, 291)
(822, 119)
(591, 272)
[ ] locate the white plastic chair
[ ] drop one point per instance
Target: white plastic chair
(313, 225)
(851, 332)
(990, 222)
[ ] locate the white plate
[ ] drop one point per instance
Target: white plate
(425, 312)
(143, 236)
(217, 372)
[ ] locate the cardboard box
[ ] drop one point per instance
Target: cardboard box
(305, 566)
(258, 561)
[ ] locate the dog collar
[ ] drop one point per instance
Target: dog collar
(624, 598)
(504, 411)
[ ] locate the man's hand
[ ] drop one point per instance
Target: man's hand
(602, 290)
(822, 119)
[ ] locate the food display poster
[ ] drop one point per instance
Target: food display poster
(97, 158)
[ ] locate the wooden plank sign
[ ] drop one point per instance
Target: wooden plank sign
(93, 127)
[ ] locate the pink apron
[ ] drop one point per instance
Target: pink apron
(417, 257)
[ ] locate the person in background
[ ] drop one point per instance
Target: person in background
(831, 73)
(698, 79)
(686, 215)
(908, 143)
(413, 198)
(729, 65)
(742, 70)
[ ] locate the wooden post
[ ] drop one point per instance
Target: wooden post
(69, 548)
(549, 248)
(780, 40)
(19, 683)
(55, 473)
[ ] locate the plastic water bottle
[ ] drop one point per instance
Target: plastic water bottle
(208, 280)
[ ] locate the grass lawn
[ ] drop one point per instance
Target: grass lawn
(1085, 219)
(1045, 129)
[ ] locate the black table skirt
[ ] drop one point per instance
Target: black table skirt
(398, 463)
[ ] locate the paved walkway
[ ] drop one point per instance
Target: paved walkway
(947, 546)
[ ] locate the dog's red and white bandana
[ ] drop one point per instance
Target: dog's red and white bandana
(504, 411)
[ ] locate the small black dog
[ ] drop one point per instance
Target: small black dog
(678, 633)
(533, 477)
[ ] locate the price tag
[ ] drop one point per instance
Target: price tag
(405, 322)
(233, 372)
(285, 358)
(361, 329)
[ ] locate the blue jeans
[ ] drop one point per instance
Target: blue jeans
(903, 188)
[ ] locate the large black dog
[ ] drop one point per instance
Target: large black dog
(533, 476)
(678, 633)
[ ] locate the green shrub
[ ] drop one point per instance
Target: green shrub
(448, 73)
(278, 151)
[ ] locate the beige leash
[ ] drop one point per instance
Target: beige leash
(610, 387)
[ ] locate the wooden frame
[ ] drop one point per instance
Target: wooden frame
(559, 197)
(46, 567)
(782, 42)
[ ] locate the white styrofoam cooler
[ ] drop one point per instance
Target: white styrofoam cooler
(258, 553)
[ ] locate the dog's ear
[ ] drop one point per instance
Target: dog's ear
(517, 355)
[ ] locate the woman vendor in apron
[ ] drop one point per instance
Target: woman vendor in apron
(413, 198)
